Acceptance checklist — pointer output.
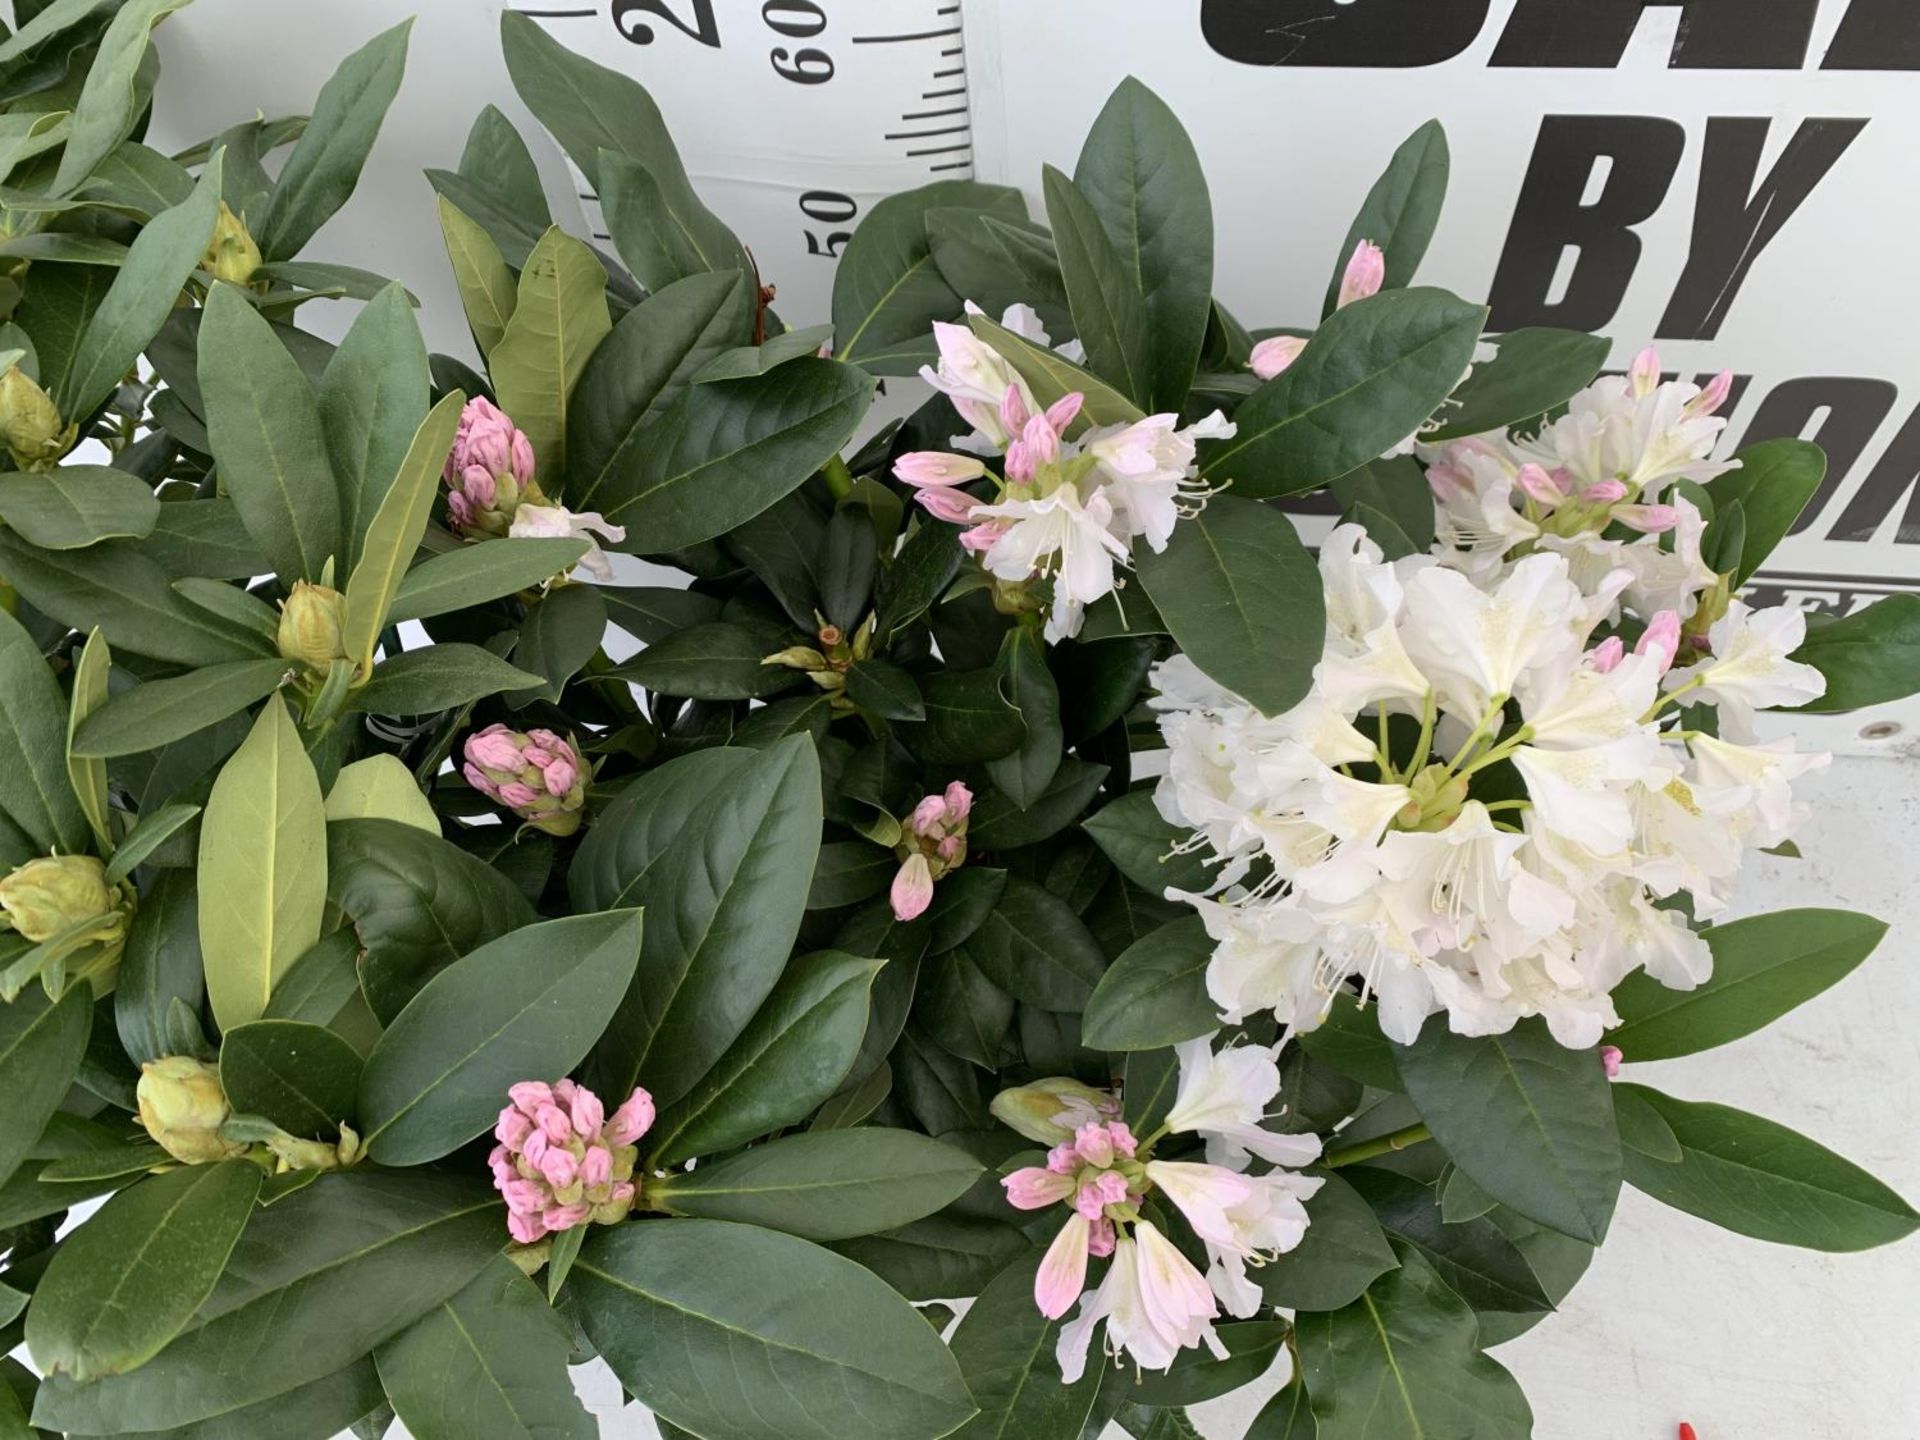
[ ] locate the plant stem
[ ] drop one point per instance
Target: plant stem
(839, 478)
(1385, 1145)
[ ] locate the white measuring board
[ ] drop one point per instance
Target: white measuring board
(793, 116)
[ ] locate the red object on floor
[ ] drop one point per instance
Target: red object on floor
(1687, 1432)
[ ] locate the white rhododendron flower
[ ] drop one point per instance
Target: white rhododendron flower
(1488, 804)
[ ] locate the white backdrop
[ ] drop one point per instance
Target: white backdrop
(1676, 1320)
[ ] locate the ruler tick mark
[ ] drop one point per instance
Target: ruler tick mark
(926, 134)
(560, 14)
(942, 94)
(934, 114)
(951, 165)
(940, 150)
(943, 74)
(892, 39)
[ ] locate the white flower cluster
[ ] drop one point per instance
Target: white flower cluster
(1068, 510)
(1477, 808)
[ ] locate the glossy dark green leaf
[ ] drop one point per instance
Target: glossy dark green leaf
(717, 661)
(560, 635)
(35, 793)
(317, 1280)
(41, 1045)
(1243, 598)
(1141, 177)
(968, 719)
(417, 903)
(1005, 1348)
(74, 506)
(1754, 1177)
(131, 1278)
(1530, 1120)
(299, 1075)
(939, 1089)
(1534, 371)
(998, 823)
(827, 1185)
(849, 871)
(159, 711)
(1372, 375)
(528, 1005)
(372, 397)
(792, 1055)
(1133, 834)
(998, 260)
(1403, 1363)
(724, 894)
(734, 1330)
(1344, 1252)
(1155, 994)
(264, 423)
(961, 1010)
(475, 574)
(1349, 1040)
(940, 1255)
(1392, 500)
(1034, 947)
(1049, 376)
(1196, 1375)
(1763, 966)
(884, 690)
(490, 1360)
(1869, 657)
(1288, 1416)
(660, 227)
(325, 165)
(746, 360)
(1027, 685)
(1401, 211)
(1774, 484)
(160, 964)
(1108, 299)
(1150, 1081)
(438, 677)
(917, 576)
(1475, 1260)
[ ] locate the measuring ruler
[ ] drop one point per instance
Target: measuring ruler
(793, 116)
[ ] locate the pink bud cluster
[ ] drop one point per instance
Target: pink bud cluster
(1661, 640)
(933, 841)
(1035, 448)
(1086, 1174)
(489, 471)
(537, 775)
(1366, 272)
(562, 1160)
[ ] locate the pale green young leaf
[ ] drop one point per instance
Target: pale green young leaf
(380, 787)
(485, 283)
(109, 102)
(559, 317)
(87, 773)
(372, 398)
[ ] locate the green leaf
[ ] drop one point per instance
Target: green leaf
(1108, 302)
(1869, 657)
(1534, 372)
(1763, 967)
(264, 423)
(745, 361)
(474, 574)
(1049, 377)
(1005, 1348)
(1287, 1416)
(725, 452)
(41, 1046)
(1028, 686)
(160, 964)
(46, 22)
(142, 295)
(373, 396)
(968, 719)
(394, 532)
(243, 612)
(915, 578)
(77, 505)
(1155, 994)
(1774, 484)
(35, 793)
(1392, 500)
(528, 1004)
(111, 100)
(1526, 1118)
(487, 289)
(559, 317)
(380, 787)
(1756, 1178)
(1132, 834)
(1243, 599)
(849, 871)
(490, 1360)
(643, 366)
(316, 1281)
(161, 711)
(887, 291)
(1372, 375)
(732, 1330)
(438, 677)
(496, 155)
(88, 775)
(1475, 1260)
(725, 893)
(131, 1278)
(709, 662)
(1196, 1376)
(325, 166)
(150, 832)
(417, 902)
(1035, 948)
(792, 1055)
(1344, 1252)
(1141, 177)
(639, 830)
(1403, 1363)
(661, 242)
(828, 1185)
(321, 984)
(263, 878)
(1401, 211)
(299, 1075)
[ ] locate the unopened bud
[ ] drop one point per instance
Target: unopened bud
(232, 255)
(538, 775)
(49, 896)
(1051, 1111)
(1366, 272)
(30, 422)
(313, 622)
(183, 1107)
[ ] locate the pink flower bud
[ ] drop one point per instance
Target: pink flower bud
(554, 1124)
(1610, 1058)
(1661, 640)
(1043, 445)
(1647, 519)
(1713, 396)
(478, 488)
(1122, 1137)
(1539, 485)
(524, 1197)
(1063, 1159)
(1644, 375)
(540, 775)
(953, 506)
(586, 1112)
(928, 815)
(520, 456)
(1094, 1145)
(1100, 1238)
(1366, 273)
(1013, 410)
(937, 467)
(1273, 355)
(535, 1148)
(1605, 657)
(526, 1229)
(950, 848)
(516, 796)
(565, 1217)
(981, 538)
(494, 747)
(1064, 411)
(1604, 492)
(959, 801)
(559, 775)
(1035, 1188)
(1107, 1188)
(530, 1095)
(596, 1167)
(513, 1129)
(632, 1120)
(912, 890)
(1063, 1270)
